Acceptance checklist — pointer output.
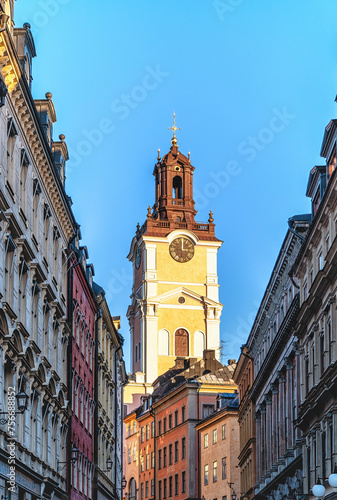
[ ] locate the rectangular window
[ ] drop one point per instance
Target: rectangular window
(159, 427)
(141, 490)
(170, 421)
(224, 431)
(205, 440)
(215, 436)
(152, 487)
(159, 491)
(141, 463)
(146, 489)
(320, 261)
(176, 418)
(224, 468)
(322, 352)
(134, 453)
(165, 457)
(170, 454)
(176, 451)
(129, 456)
(170, 486)
(152, 459)
(205, 475)
(207, 410)
(215, 471)
(142, 435)
(159, 459)
(183, 414)
(147, 461)
(165, 487)
(152, 429)
(176, 484)
(165, 424)
(147, 432)
(183, 481)
(183, 448)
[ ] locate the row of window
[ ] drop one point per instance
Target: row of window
(147, 460)
(162, 424)
(165, 486)
(146, 489)
(215, 436)
(163, 455)
(144, 432)
(215, 471)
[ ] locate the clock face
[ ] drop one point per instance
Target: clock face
(181, 249)
(138, 257)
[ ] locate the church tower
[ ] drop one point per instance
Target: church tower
(175, 309)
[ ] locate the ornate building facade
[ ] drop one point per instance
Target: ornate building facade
(110, 377)
(273, 386)
(36, 224)
(316, 327)
(47, 332)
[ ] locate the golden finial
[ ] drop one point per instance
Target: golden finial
(174, 128)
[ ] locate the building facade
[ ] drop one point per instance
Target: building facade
(244, 378)
(83, 310)
(219, 450)
(162, 442)
(36, 225)
(316, 327)
(110, 378)
(276, 381)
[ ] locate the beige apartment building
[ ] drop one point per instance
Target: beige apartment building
(219, 451)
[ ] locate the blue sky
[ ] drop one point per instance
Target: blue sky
(253, 84)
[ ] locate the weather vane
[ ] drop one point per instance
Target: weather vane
(174, 128)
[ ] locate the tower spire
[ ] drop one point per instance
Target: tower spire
(174, 128)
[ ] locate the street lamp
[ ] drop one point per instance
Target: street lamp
(124, 483)
(233, 495)
(109, 464)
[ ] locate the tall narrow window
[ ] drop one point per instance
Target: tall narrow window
(10, 251)
(24, 166)
(215, 472)
(205, 475)
(46, 232)
(177, 192)
(36, 211)
(23, 279)
(12, 135)
(56, 248)
(181, 342)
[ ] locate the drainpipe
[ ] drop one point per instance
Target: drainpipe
(95, 488)
(153, 415)
(70, 314)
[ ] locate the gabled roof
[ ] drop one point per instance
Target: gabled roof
(328, 138)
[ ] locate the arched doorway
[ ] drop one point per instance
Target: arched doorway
(132, 489)
(181, 342)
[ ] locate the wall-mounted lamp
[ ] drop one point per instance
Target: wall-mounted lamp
(22, 403)
(73, 458)
(319, 490)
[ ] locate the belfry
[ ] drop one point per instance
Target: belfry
(175, 309)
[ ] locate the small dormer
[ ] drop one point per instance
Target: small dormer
(60, 152)
(316, 186)
(90, 273)
(25, 47)
(83, 256)
(46, 111)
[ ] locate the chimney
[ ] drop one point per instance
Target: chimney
(179, 363)
(231, 362)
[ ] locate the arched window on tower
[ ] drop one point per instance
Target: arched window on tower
(177, 192)
(181, 342)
